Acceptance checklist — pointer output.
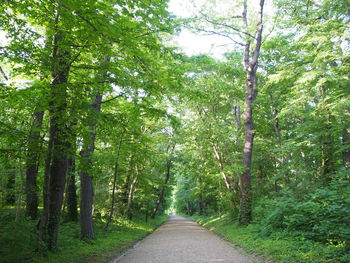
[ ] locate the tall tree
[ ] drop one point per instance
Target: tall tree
(251, 56)
(170, 150)
(58, 128)
(86, 162)
(32, 165)
(249, 36)
(71, 192)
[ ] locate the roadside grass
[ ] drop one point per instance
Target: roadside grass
(18, 241)
(280, 247)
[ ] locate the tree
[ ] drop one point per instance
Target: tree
(32, 163)
(61, 57)
(251, 65)
(170, 150)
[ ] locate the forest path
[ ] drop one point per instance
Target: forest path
(181, 240)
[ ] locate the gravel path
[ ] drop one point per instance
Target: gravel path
(182, 241)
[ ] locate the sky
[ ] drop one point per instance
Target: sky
(191, 43)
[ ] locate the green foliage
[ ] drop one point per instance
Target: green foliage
(122, 233)
(17, 238)
(280, 247)
(321, 215)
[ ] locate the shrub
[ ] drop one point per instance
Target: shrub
(17, 241)
(322, 215)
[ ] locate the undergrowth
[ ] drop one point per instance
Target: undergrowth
(281, 247)
(18, 240)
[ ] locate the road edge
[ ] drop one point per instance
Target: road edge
(253, 256)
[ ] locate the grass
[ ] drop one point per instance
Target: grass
(18, 241)
(279, 247)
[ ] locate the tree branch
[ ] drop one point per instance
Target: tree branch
(3, 73)
(223, 35)
(259, 35)
(247, 44)
(228, 26)
(66, 67)
(116, 97)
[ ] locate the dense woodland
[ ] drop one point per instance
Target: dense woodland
(103, 117)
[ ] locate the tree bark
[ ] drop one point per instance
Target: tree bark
(32, 165)
(131, 195)
(20, 192)
(86, 188)
(227, 179)
(237, 115)
(200, 201)
(59, 132)
(251, 65)
(328, 152)
(276, 125)
(72, 205)
(346, 153)
(111, 211)
(86, 202)
(116, 167)
(126, 186)
(162, 191)
(42, 231)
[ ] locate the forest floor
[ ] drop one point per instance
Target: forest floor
(181, 240)
(278, 247)
(18, 240)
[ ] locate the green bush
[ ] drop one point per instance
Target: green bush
(17, 241)
(321, 216)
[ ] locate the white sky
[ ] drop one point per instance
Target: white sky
(193, 44)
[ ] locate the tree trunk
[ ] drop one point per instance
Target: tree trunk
(58, 171)
(346, 153)
(109, 219)
(132, 189)
(32, 165)
(86, 188)
(72, 205)
(200, 201)
(126, 187)
(86, 202)
(161, 194)
(251, 65)
(111, 211)
(328, 158)
(237, 115)
(42, 231)
(20, 192)
(131, 195)
(59, 132)
(227, 179)
(276, 125)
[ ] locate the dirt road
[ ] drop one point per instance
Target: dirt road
(182, 241)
